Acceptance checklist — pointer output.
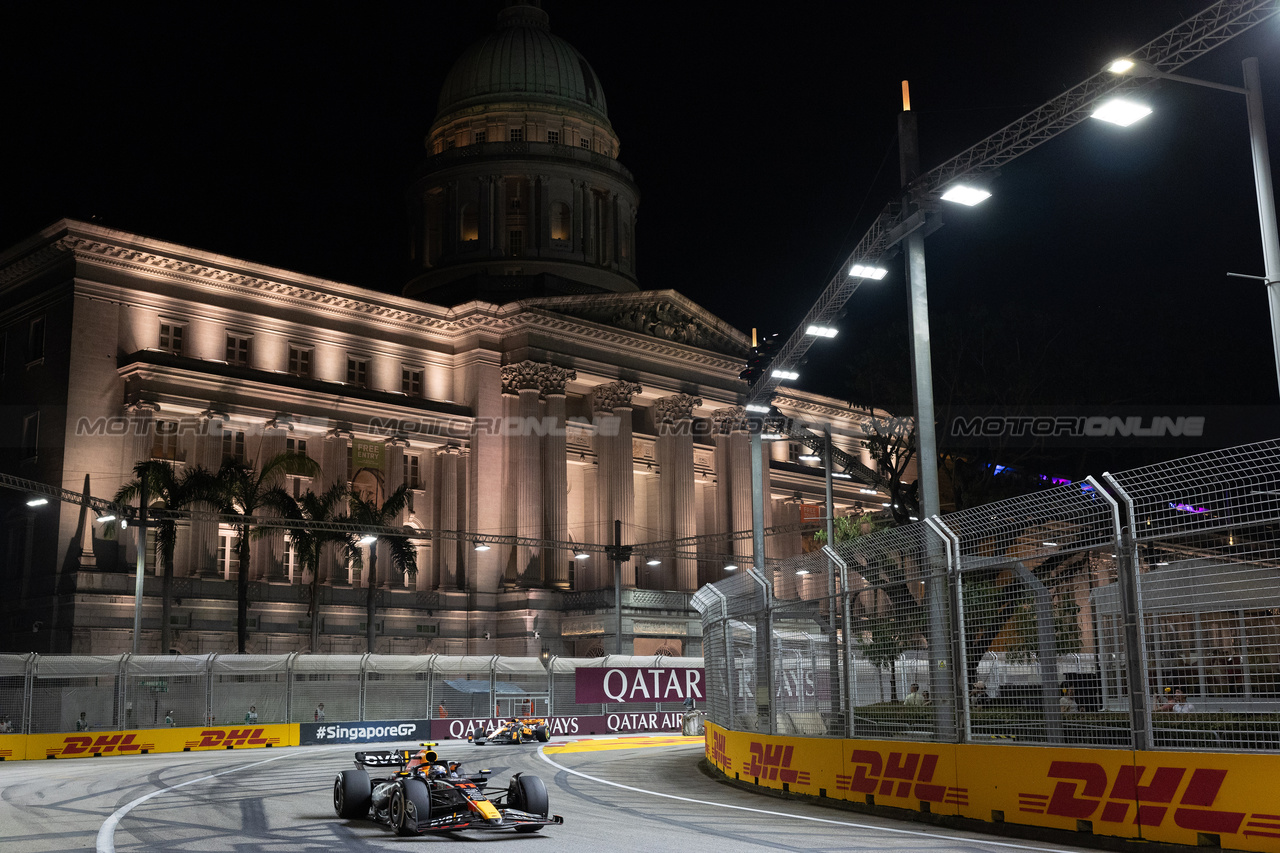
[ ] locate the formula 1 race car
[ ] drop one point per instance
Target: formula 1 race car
(415, 793)
(515, 730)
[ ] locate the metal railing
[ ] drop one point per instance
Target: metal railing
(47, 693)
(1137, 611)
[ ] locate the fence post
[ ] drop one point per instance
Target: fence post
(850, 674)
(288, 686)
(122, 681)
(364, 658)
(208, 688)
(764, 654)
(28, 688)
(944, 595)
(1131, 612)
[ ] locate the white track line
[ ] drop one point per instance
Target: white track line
(106, 842)
(932, 835)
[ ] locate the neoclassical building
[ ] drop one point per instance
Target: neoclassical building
(524, 387)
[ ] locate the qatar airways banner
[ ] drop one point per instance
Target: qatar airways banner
(601, 724)
(635, 684)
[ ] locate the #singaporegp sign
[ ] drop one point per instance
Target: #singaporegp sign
(636, 684)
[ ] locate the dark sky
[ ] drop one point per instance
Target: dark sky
(762, 137)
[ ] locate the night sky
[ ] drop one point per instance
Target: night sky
(762, 137)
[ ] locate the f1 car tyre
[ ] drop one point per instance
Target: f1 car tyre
(410, 791)
(529, 794)
(352, 792)
(515, 736)
(543, 734)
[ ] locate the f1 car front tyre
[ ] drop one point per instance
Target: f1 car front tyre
(543, 734)
(528, 794)
(352, 792)
(410, 806)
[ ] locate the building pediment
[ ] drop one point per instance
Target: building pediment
(662, 314)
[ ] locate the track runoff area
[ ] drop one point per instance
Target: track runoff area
(629, 793)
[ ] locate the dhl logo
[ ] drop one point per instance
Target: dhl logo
(114, 744)
(231, 738)
(902, 774)
(720, 751)
(1083, 784)
(774, 762)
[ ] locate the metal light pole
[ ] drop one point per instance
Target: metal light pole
(1252, 91)
(918, 309)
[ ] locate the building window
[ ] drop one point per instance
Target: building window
(411, 471)
(349, 461)
(237, 349)
(164, 444)
(517, 134)
(449, 143)
(30, 435)
(300, 360)
(481, 137)
(411, 382)
(228, 556)
(233, 445)
(296, 445)
(585, 142)
(171, 337)
(517, 243)
(561, 222)
(35, 340)
(358, 372)
(290, 559)
(469, 223)
(553, 136)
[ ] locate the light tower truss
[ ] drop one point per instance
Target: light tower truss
(1189, 40)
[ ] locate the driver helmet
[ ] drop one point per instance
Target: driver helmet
(436, 772)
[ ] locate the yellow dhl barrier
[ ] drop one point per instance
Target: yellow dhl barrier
(1172, 797)
(144, 741)
(13, 747)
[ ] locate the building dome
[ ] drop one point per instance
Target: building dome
(522, 61)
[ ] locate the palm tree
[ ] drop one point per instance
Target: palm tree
(309, 543)
(242, 491)
(404, 556)
(159, 481)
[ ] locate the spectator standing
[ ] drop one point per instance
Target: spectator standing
(320, 713)
(252, 716)
(978, 695)
(82, 724)
(914, 697)
(1181, 705)
(1068, 702)
(1167, 703)
(6, 725)
(168, 718)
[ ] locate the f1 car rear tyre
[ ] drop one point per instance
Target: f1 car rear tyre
(529, 794)
(411, 791)
(352, 792)
(543, 734)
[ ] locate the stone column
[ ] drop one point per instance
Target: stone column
(204, 533)
(555, 475)
(142, 424)
(616, 489)
(333, 470)
(447, 549)
(679, 509)
(393, 476)
(525, 381)
(541, 226)
(485, 473)
(268, 552)
(735, 480)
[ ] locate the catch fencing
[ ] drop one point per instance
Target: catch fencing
(42, 694)
(1138, 611)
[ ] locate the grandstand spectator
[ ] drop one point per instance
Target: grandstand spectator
(914, 697)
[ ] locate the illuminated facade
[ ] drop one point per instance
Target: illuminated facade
(119, 348)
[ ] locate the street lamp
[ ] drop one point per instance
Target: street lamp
(1252, 91)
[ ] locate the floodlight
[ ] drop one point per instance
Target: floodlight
(822, 331)
(481, 546)
(968, 196)
(752, 407)
(1121, 112)
(368, 539)
(785, 374)
(731, 568)
(864, 271)
(103, 519)
(34, 502)
(653, 561)
(1120, 66)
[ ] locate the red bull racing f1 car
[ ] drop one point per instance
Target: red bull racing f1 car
(416, 793)
(515, 730)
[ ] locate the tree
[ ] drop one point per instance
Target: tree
(242, 490)
(404, 555)
(308, 542)
(162, 483)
